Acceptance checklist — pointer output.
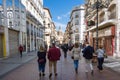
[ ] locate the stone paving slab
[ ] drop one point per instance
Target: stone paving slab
(11, 63)
(29, 71)
(113, 64)
(8, 64)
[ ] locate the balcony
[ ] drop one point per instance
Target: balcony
(112, 12)
(112, 15)
(47, 31)
(101, 19)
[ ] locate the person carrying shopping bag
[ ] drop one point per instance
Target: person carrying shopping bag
(76, 56)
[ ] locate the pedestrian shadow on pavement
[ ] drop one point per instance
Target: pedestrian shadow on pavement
(55, 78)
(89, 76)
(44, 78)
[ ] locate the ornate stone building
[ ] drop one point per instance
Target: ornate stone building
(67, 34)
(106, 23)
(12, 26)
(60, 36)
(34, 23)
(77, 24)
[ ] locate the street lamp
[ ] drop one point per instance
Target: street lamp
(49, 25)
(44, 31)
(98, 5)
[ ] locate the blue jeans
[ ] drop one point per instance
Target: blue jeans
(100, 63)
(76, 62)
(41, 67)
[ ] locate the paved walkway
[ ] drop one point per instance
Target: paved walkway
(113, 64)
(8, 64)
(13, 62)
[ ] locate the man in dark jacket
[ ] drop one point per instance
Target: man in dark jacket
(53, 56)
(65, 49)
(88, 55)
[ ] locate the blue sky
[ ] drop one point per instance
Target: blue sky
(60, 10)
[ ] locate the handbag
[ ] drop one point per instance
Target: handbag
(105, 56)
(72, 57)
(41, 60)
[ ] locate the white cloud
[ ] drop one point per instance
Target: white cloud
(58, 24)
(59, 17)
(63, 16)
(67, 14)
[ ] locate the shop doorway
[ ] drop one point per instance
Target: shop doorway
(1, 46)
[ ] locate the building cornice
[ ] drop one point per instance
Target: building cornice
(48, 11)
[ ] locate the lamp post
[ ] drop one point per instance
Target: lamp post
(50, 33)
(98, 5)
(44, 32)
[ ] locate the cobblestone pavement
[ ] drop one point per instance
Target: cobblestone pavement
(29, 71)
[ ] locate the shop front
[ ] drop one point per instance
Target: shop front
(1, 41)
(13, 41)
(106, 38)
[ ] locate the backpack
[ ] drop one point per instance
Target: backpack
(88, 52)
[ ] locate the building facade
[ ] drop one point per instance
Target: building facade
(34, 24)
(67, 35)
(60, 35)
(12, 26)
(48, 26)
(77, 24)
(108, 26)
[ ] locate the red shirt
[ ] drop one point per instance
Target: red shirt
(54, 54)
(20, 48)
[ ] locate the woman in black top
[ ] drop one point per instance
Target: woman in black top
(41, 60)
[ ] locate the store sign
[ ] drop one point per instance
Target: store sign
(108, 32)
(104, 32)
(100, 33)
(1, 29)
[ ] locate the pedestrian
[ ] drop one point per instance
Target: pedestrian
(53, 56)
(46, 47)
(20, 50)
(100, 57)
(88, 55)
(65, 49)
(70, 47)
(41, 60)
(76, 56)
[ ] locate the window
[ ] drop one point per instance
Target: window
(76, 16)
(77, 37)
(9, 15)
(76, 22)
(8, 3)
(10, 23)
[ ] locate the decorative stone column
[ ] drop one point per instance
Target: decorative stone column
(117, 54)
(6, 37)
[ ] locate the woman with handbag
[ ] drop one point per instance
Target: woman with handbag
(100, 57)
(76, 56)
(41, 60)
